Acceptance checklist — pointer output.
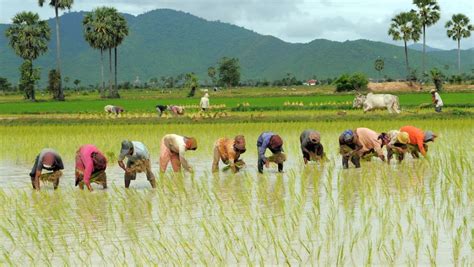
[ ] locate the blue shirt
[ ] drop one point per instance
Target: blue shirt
(263, 142)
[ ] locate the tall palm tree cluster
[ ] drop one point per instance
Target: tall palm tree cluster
(409, 26)
(104, 29)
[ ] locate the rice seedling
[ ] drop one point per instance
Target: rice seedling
(414, 213)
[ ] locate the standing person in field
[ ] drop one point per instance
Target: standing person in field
(275, 144)
(90, 167)
(397, 145)
(172, 149)
(229, 151)
(138, 160)
(418, 140)
(436, 99)
(204, 104)
(48, 159)
(311, 147)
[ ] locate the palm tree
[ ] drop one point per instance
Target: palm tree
(29, 38)
(98, 34)
(457, 28)
(405, 26)
(428, 14)
(120, 31)
(58, 4)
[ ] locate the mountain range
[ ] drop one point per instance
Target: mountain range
(166, 42)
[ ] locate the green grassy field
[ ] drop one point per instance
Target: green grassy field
(146, 102)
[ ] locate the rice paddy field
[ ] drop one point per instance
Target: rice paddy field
(417, 213)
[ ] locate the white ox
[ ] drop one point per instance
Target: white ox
(377, 101)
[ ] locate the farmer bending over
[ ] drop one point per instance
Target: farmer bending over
(275, 144)
(397, 145)
(138, 160)
(161, 109)
(349, 147)
(229, 151)
(90, 167)
(311, 146)
(49, 160)
(372, 143)
(173, 147)
(418, 140)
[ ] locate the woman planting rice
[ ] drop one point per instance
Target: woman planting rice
(138, 161)
(397, 145)
(172, 150)
(311, 147)
(48, 159)
(90, 167)
(275, 144)
(229, 150)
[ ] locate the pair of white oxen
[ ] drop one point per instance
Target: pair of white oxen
(377, 101)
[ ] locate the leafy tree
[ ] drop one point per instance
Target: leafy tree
(120, 31)
(405, 26)
(457, 28)
(379, 65)
(229, 71)
(29, 38)
(346, 82)
(211, 72)
(57, 5)
(77, 82)
(54, 81)
(438, 77)
(5, 85)
(191, 81)
(428, 14)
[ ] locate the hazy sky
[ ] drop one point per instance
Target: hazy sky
(290, 20)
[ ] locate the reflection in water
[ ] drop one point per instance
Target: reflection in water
(405, 214)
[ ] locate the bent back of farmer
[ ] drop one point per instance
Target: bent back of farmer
(397, 145)
(310, 141)
(176, 110)
(48, 159)
(138, 160)
(90, 167)
(349, 147)
(273, 142)
(173, 148)
(371, 143)
(229, 151)
(418, 140)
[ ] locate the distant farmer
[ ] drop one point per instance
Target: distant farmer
(204, 104)
(311, 146)
(172, 149)
(116, 110)
(48, 159)
(161, 109)
(176, 110)
(229, 151)
(437, 101)
(397, 145)
(418, 140)
(275, 144)
(90, 167)
(362, 142)
(138, 161)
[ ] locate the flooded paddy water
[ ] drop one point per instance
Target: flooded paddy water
(420, 212)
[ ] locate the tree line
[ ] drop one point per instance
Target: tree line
(104, 29)
(411, 26)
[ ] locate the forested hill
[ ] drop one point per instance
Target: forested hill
(166, 42)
